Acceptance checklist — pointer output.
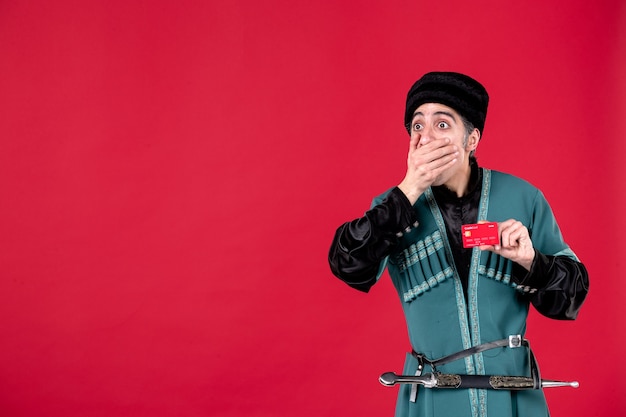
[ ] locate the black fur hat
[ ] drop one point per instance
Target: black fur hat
(458, 91)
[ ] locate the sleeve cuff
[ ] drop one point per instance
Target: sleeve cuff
(533, 280)
(406, 214)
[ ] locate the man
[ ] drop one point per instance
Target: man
(462, 305)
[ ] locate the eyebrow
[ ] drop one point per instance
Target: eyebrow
(437, 113)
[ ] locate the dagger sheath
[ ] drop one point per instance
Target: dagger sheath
(496, 382)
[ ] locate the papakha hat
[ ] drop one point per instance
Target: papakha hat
(458, 91)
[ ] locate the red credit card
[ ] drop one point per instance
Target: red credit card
(480, 234)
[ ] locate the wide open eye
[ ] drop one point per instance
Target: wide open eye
(417, 126)
(443, 125)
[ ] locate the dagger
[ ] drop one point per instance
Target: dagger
(439, 380)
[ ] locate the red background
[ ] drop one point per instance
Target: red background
(172, 173)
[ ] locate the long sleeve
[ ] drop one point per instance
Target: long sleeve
(560, 285)
(558, 280)
(360, 246)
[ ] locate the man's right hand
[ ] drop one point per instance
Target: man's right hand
(427, 160)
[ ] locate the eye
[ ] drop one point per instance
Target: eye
(443, 125)
(417, 126)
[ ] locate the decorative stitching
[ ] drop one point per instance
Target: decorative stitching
(420, 250)
(479, 400)
(431, 282)
(496, 275)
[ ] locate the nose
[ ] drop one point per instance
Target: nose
(425, 136)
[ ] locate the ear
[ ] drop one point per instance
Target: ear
(472, 141)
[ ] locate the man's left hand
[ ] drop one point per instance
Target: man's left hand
(515, 243)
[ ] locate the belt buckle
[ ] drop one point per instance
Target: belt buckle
(515, 340)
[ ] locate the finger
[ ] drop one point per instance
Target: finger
(508, 237)
(513, 241)
(506, 224)
(434, 144)
(433, 160)
(439, 165)
(442, 155)
(514, 233)
(505, 229)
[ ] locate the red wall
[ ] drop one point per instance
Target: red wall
(171, 175)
